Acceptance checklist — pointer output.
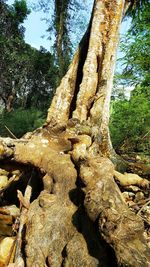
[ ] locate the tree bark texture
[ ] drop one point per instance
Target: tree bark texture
(79, 217)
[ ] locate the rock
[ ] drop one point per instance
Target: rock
(146, 214)
(6, 222)
(5, 250)
(131, 194)
(7, 216)
(133, 188)
(128, 196)
(12, 210)
(138, 157)
(16, 172)
(132, 205)
(3, 172)
(1, 149)
(3, 181)
(139, 196)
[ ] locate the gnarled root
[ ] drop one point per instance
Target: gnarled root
(120, 227)
(56, 224)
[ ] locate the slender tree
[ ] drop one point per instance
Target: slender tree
(62, 43)
(62, 22)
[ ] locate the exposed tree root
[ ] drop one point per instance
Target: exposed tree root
(118, 225)
(54, 228)
(131, 179)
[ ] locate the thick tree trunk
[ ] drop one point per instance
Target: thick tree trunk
(90, 81)
(76, 207)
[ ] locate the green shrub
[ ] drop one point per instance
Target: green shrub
(129, 123)
(20, 121)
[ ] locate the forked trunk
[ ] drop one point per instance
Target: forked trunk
(80, 208)
(84, 93)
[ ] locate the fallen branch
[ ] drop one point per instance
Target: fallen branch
(10, 132)
(24, 206)
(146, 204)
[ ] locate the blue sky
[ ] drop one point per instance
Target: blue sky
(36, 28)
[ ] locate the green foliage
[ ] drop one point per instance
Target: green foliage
(21, 121)
(27, 76)
(41, 79)
(11, 18)
(20, 10)
(136, 7)
(136, 47)
(129, 124)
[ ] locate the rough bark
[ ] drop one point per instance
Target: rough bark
(76, 206)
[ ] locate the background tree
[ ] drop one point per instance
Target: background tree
(129, 121)
(64, 26)
(62, 43)
(11, 42)
(27, 76)
(136, 46)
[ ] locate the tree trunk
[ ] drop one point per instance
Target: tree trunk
(62, 43)
(77, 215)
